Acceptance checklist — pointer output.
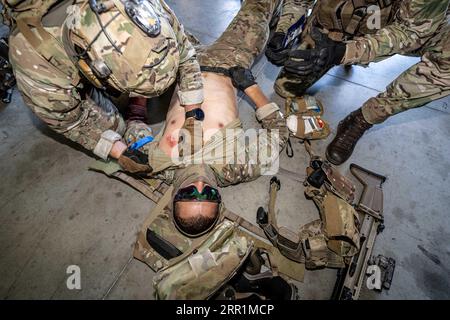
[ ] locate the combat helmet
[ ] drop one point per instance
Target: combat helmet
(127, 45)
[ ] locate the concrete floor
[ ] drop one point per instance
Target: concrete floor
(55, 213)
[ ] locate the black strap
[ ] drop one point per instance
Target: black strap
(289, 149)
(163, 247)
(223, 71)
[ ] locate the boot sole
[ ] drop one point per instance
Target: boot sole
(336, 163)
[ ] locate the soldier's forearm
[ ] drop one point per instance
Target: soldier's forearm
(190, 77)
(92, 128)
(394, 39)
(118, 149)
(258, 97)
(86, 125)
(190, 83)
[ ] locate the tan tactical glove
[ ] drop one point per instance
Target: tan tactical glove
(134, 161)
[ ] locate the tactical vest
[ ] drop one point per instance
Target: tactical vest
(345, 19)
(329, 241)
(196, 268)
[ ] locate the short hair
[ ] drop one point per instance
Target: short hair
(195, 225)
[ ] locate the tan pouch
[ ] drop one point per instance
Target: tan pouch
(305, 106)
(308, 127)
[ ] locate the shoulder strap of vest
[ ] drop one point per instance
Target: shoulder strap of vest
(27, 16)
(22, 9)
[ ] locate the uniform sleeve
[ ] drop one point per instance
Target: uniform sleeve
(189, 73)
(416, 22)
(291, 12)
(270, 143)
(62, 109)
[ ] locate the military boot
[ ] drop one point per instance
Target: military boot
(349, 131)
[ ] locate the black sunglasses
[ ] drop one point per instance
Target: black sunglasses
(191, 193)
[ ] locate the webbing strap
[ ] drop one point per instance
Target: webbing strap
(38, 44)
(139, 186)
(244, 223)
(355, 22)
(274, 187)
(309, 149)
(160, 205)
(223, 71)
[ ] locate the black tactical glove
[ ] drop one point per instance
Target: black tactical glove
(241, 78)
(276, 53)
(326, 54)
(135, 161)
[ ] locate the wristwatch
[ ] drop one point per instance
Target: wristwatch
(197, 114)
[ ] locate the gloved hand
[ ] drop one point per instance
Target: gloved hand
(241, 78)
(134, 161)
(326, 54)
(275, 52)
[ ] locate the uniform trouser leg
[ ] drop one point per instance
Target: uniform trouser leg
(291, 12)
(424, 82)
(243, 40)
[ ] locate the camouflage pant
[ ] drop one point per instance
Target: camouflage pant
(424, 82)
(247, 35)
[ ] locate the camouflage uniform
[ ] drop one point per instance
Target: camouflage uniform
(49, 76)
(341, 21)
(247, 35)
(420, 28)
(291, 12)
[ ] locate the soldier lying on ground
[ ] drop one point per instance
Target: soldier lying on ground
(413, 27)
(225, 64)
(73, 59)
